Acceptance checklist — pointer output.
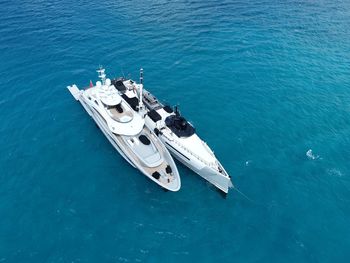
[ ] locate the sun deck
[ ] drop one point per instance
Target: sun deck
(120, 113)
(160, 166)
(145, 150)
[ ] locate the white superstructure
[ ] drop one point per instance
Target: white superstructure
(178, 135)
(125, 128)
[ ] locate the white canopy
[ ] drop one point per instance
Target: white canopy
(109, 96)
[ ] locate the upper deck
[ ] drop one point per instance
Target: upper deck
(119, 116)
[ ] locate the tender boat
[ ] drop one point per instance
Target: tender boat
(126, 130)
(178, 135)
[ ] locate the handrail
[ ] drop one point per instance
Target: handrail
(195, 155)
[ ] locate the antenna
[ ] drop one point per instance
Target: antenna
(121, 70)
(176, 110)
(141, 88)
(123, 73)
(141, 76)
(101, 74)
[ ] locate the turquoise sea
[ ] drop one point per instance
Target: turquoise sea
(267, 85)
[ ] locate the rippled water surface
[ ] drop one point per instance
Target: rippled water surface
(266, 83)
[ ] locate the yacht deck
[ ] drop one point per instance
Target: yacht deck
(160, 168)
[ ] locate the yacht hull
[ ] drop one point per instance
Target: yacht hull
(118, 143)
(219, 180)
(187, 153)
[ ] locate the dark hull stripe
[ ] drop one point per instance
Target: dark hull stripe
(178, 151)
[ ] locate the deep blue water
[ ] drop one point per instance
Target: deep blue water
(263, 82)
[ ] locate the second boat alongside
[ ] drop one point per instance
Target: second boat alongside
(178, 135)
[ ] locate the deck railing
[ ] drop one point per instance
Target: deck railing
(210, 164)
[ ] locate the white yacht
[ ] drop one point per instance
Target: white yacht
(178, 135)
(126, 130)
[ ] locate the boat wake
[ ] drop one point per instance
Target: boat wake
(335, 172)
(247, 163)
(311, 155)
